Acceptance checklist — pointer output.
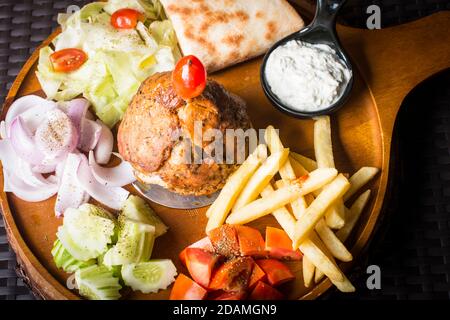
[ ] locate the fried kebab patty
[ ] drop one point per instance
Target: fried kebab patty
(159, 124)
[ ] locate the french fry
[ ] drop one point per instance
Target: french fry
(236, 182)
(309, 198)
(261, 207)
(335, 215)
(307, 163)
(353, 215)
(343, 285)
(318, 276)
(273, 140)
(299, 170)
(308, 271)
(333, 244)
(287, 222)
(316, 252)
(286, 172)
(300, 205)
(323, 148)
(359, 179)
(333, 191)
(282, 215)
(261, 178)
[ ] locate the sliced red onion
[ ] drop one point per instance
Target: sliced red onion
(34, 116)
(20, 169)
(3, 134)
(76, 110)
(13, 182)
(71, 194)
(6, 186)
(23, 143)
(24, 171)
(105, 145)
(90, 115)
(113, 197)
(41, 168)
(5, 154)
(30, 193)
(118, 176)
(89, 135)
(60, 169)
(56, 137)
(53, 179)
(23, 104)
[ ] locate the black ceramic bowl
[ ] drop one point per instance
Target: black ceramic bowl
(321, 31)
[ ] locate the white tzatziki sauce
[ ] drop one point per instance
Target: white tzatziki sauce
(306, 77)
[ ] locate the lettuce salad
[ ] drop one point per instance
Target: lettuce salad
(118, 60)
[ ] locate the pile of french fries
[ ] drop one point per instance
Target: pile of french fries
(308, 200)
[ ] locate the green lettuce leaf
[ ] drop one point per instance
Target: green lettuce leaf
(118, 60)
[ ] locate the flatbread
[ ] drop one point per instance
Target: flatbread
(224, 32)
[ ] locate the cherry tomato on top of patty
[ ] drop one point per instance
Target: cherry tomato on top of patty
(126, 18)
(67, 60)
(189, 77)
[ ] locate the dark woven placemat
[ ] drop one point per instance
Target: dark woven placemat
(412, 246)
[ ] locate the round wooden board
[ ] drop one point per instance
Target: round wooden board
(362, 133)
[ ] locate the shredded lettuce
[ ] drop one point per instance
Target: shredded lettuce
(152, 9)
(118, 60)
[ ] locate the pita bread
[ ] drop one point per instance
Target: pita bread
(224, 32)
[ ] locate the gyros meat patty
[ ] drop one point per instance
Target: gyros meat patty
(159, 124)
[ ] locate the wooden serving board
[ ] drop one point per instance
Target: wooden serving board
(388, 64)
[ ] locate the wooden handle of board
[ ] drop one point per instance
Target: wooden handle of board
(393, 61)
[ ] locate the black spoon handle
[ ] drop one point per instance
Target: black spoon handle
(326, 12)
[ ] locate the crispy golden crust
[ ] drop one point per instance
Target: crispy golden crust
(150, 134)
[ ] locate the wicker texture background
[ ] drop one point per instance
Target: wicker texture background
(412, 246)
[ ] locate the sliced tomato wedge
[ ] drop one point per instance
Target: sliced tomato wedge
(276, 271)
(186, 289)
(257, 275)
(251, 243)
(200, 264)
(204, 244)
(263, 291)
(225, 241)
(67, 60)
(126, 18)
(222, 295)
(233, 275)
(279, 245)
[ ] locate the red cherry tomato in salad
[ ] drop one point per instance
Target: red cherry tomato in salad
(189, 77)
(67, 60)
(126, 18)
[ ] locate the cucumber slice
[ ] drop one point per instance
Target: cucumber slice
(97, 211)
(150, 276)
(76, 251)
(90, 227)
(116, 270)
(135, 208)
(64, 260)
(97, 283)
(135, 244)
